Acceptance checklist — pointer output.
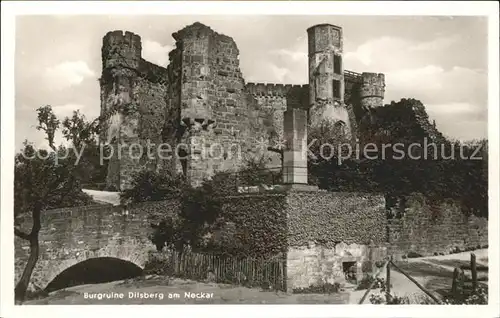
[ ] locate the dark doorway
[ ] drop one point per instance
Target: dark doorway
(349, 269)
(94, 271)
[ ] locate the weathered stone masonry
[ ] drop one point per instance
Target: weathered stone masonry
(71, 235)
(321, 233)
(201, 99)
(424, 227)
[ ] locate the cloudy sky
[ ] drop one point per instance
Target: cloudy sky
(441, 61)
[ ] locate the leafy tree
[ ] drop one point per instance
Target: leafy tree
(166, 233)
(199, 214)
(48, 122)
(82, 135)
(41, 184)
(463, 179)
(149, 185)
(77, 130)
(46, 179)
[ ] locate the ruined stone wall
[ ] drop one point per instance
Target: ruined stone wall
(326, 229)
(222, 123)
(426, 228)
(201, 100)
(271, 101)
(134, 94)
(422, 119)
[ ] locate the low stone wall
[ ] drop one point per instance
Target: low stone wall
(72, 235)
(329, 232)
(259, 221)
(427, 228)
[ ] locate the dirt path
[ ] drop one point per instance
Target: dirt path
(433, 272)
(173, 291)
(432, 275)
(401, 286)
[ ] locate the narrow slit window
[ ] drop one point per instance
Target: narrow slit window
(336, 88)
(337, 62)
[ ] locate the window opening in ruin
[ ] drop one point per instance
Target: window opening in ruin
(337, 62)
(349, 269)
(340, 127)
(336, 88)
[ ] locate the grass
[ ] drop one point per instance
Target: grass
(420, 269)
(449, 262)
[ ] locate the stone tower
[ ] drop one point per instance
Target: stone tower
(133, 103)
(326, 76)
(121, 56)
(196, 103)
(372, 89)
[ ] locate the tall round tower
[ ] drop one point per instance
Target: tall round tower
(326, 75)
(196, 41)
(371, 92)
(121, 57)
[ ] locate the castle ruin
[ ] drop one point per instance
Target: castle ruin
(201, 99)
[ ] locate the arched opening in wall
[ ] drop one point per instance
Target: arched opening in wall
(94, 271)
(340, 128)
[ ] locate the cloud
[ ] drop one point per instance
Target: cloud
(278, 73)
(462, 127)
(389, 52)
(66, 109)
(436, 44)
(436, 85)
(287, 65)
(412, 82)
(66, 74)
(452, 108)
(376, 51)
(154, 52)
(455, 96)
(298, 56)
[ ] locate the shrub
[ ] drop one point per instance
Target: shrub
(368, 280)
(150, 185)
(158, 265)
(412, 254)
(379, 264)
(380, 298)
(477, 297)
(366, 267)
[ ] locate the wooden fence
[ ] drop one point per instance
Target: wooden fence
(462, 284)
(388, 296)
(267, 273)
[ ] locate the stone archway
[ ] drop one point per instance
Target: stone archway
(95, 270)
(133, 251)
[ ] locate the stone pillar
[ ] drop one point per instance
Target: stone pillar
(295, 153)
